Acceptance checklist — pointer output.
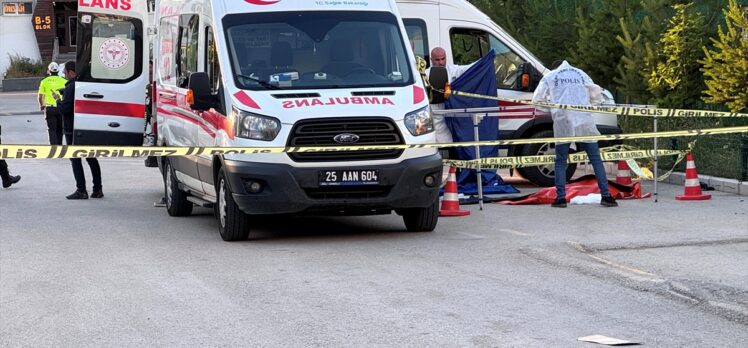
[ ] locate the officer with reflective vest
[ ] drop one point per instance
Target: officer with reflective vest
(48, 88)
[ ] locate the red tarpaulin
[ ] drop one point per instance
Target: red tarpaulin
(581, 187)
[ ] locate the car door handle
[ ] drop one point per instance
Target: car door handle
(167, 95)
(93, 96)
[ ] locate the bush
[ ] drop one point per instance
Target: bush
(24, 67)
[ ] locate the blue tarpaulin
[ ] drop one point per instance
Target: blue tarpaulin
(480, 79)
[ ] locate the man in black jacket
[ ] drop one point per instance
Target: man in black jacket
(66, 107)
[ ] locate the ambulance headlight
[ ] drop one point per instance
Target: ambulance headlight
(419, 122)
(255, 127)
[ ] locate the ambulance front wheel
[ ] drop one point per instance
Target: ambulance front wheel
(543, 176)
(176, 199)
(233, 224)
(421, 219)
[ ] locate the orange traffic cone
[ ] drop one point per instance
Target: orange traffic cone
(624, 173)
(692, 191)
(451, 203)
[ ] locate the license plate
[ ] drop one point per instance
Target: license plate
(349, 177)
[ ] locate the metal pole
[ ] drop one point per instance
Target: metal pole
(476, 136)
(656, 164)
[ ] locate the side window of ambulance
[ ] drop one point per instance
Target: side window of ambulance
(114, 47)
(168, 49)
(189, 32)
(418, 38)
(508, 65)
(469, 45)
(211, 60)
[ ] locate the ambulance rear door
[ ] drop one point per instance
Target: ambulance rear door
(112, 59)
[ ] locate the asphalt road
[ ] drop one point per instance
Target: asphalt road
(120, 272)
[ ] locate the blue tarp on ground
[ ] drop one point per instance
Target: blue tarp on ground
(480, 79)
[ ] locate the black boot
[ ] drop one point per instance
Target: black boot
(10, 180)
(559, 203)
(78, 194)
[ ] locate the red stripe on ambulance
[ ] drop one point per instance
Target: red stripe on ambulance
(109, 108)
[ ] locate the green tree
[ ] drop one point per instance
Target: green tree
(544, 27)
(597, 52)
(675, 79)
(726, 65)
(640, 31)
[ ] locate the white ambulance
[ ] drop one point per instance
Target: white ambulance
(292, 73)
(468, 34)
(112, 63)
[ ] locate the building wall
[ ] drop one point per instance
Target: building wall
(16, 38)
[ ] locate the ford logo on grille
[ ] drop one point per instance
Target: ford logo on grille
(346, 138)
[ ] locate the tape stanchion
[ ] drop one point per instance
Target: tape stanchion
(80, 151)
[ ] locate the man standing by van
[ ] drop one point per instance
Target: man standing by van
(66, 106)
(439, 59)
(571, 86)
(49, 89)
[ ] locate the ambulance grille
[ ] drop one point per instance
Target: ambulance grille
(372, 93)
(321, 133)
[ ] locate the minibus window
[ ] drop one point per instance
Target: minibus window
(211, 60)
(113, 46)
(418, 37)
(310, 50)
(469, 45)
(188, 49)
(167, 67)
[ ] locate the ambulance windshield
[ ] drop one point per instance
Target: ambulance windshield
(311, 50)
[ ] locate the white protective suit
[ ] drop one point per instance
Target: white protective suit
(571, 86)
(443, 135)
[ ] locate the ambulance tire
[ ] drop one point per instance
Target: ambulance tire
(421, 219)
(233, 224)
(176, 199)
(543, 176)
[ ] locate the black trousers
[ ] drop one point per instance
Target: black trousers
(80, 176)
(4, 173)
(54, 125)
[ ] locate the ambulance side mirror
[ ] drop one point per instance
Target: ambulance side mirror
(530, 78)
(199, 94)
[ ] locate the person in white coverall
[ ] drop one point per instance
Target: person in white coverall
(439, 59)
(571, 86)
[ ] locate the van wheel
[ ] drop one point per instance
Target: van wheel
(233, 224)
(421, 219)
(544, 175)
(176, 199)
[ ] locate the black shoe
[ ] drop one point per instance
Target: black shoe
(11, 180)
(559, 203)
(78, 195)
(97, 194)
(608, 201)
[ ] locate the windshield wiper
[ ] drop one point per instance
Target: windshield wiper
(262, 83)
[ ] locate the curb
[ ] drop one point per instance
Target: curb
(720, 184)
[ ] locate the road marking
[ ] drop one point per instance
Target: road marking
(647, 276)
(516, 233)
(471, 235)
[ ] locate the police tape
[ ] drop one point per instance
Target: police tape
(612, 110)
(543, 160)
(83, 151)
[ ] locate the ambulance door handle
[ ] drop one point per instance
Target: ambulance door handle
(93, 96)
(167, 95)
